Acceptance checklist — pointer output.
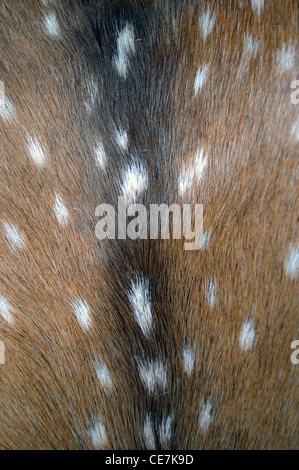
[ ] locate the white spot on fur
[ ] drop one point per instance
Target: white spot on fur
(103, 375)
(200, 78)
(250, 47)
(134, 180)
(285, 57)
(247, 335)
(60, 210)
(188, 359)
(153, 375)
(82, 313)
(139, 297)
(206, 239)
(13, 235)
(148, 434)
(250, 50)
(211, 294)
(200, 164)
(100, 155)
(51, 24)
(125, 48)
(205, 416)
(92, 90)
(165, 432)
(122, 139)
(206, 23)
(257, 6)
(36, 151)
(291, 264)
(162, 429)
(5, 310)
(7, 110)
(195, 170)
(97, 433)
(295, 130)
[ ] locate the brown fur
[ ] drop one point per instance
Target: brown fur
(48, 389)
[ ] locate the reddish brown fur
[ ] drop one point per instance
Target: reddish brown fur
(48, 388)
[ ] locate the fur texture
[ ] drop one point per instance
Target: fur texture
(91, 87)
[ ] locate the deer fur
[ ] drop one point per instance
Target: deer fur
(185, 102)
